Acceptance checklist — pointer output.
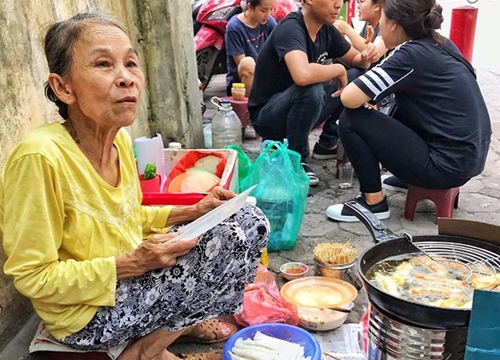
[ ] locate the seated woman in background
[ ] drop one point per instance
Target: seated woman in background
(99, 268)
(440, 134)
(245, 35)
(369, 11)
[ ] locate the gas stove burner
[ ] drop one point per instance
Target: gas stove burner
(390, 339)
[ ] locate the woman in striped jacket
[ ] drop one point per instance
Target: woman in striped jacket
(439, 136)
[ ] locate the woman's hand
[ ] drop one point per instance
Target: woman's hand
(158, 251)
(342, 79)
(370, 53)
(216, 197)
(183, 214)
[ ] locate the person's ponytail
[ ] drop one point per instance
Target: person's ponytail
(433, 22)
(419, 18)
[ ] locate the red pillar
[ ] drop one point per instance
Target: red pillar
(351, 11)
(463, 28)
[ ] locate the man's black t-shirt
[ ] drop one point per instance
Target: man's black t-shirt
(271, 73)
(438, 98)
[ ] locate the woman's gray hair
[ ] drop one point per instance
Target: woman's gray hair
(59, 42)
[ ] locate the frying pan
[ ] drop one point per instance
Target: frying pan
(389, 245)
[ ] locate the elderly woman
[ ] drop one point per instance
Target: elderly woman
(99, 268)
(440, 134)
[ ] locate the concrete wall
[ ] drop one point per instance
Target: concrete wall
(160, 30)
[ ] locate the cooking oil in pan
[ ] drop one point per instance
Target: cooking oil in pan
(420, 279)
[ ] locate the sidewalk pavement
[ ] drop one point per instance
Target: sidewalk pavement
(479, 200)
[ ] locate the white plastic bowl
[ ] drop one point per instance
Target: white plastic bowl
(322, 319)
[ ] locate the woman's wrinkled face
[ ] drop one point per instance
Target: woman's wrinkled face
(105, 76)
(261, 12)
(368, 11)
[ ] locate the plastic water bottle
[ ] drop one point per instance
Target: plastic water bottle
(226, 126)
(207, 135)
(173, 147)
(278, 206)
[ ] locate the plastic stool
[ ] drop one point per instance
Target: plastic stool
(240, 107)
(444, 200)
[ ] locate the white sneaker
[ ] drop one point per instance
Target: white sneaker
(339, 213)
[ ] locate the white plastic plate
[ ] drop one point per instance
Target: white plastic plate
(214, 217)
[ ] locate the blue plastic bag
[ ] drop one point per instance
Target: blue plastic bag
(282, 192)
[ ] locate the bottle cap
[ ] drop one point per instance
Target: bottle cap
(238, 85)
(225, 105)
(174, 145)
(251, 200)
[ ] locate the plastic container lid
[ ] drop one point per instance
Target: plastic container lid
(174, 145)
(238, 85)
(251, 200)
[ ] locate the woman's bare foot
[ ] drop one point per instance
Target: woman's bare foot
(152, 346)
(208, 332)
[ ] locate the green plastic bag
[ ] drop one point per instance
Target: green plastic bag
(244, 163)
(281, 192)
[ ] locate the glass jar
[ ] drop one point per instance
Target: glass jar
(238, 91)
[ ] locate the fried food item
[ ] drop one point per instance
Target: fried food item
(438, 291)
(440, 280)
(422, 280)
(369, 34)
(443, 267)
(452, 303)
(485, 282)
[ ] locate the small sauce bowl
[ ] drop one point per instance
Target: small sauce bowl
(294, 270)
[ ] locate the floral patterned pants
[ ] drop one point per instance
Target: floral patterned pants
(205, 283)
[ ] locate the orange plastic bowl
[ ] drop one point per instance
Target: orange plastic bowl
(193, 182)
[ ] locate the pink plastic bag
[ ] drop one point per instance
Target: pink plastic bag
(262, 303)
